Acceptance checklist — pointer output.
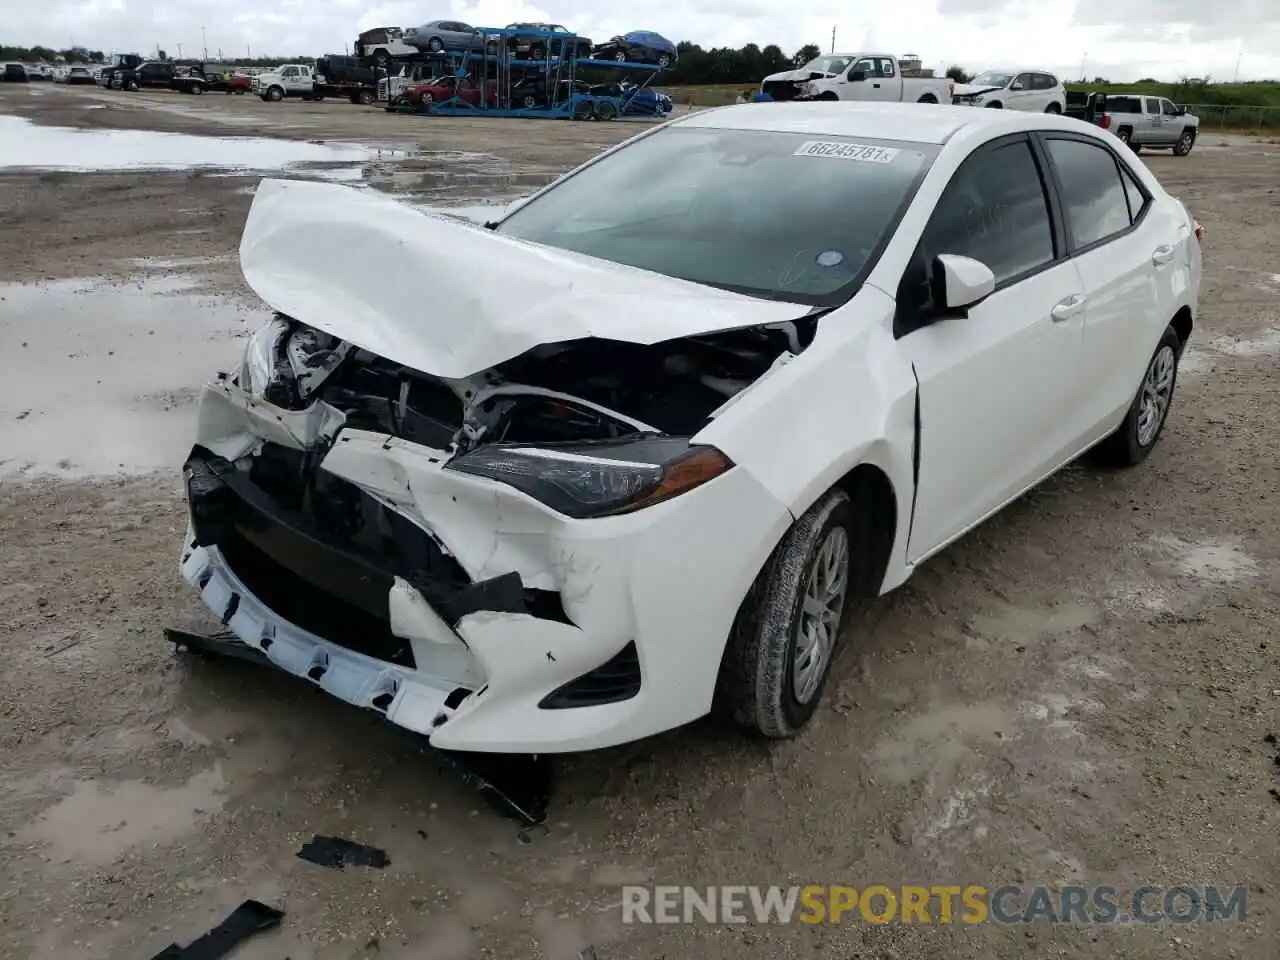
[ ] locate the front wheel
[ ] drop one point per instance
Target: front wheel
(996, 106)
(537, 52)
(664, 60)
(785, 636)
(1137, 434)
(605, 110)
(827, 96)
(1185, 142)
(274, 94)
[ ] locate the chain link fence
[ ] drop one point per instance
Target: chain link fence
(1217, 116)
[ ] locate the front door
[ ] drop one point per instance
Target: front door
(1153, 122)
(997, 387)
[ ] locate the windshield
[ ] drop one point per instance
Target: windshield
(782, 216)
(827, 64)
(993, 78)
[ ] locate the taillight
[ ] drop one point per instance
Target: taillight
(1199, 232)
(1105, 122)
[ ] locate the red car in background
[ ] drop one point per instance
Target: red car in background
(447, 88)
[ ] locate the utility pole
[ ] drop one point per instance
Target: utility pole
(833, 38)
(1083, 61)
(1237, 76)
(204, 45)
(179, 51)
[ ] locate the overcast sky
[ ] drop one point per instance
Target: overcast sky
(1118, 39)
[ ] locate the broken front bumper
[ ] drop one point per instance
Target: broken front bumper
(558, 635)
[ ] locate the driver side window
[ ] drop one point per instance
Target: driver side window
(994, 210)
(863, 66)
(1168, 108)
(1022, 81)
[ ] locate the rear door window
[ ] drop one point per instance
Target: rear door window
(1094, 197)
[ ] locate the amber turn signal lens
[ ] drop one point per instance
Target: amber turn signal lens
(695, 468)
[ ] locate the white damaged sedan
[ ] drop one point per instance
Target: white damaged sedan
(630, 452)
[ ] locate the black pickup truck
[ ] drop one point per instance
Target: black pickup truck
(186, 76)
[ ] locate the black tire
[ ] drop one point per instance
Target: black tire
(664, 60)
(584, 110)
(621, 56)
(996, 106)
(197, 88)
(1135, 147)
(529, 102)
(757, 683)
(538, 51)
(491, 49)
(382, 60)
(828, 95)
(1053, 108)
(606, 110)
(928, 98)
(435, 45)
(1125, 135)
(274, 94)
(1186, 141)
(1131, 443)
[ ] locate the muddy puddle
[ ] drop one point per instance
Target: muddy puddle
(103, 378)
(24, 145)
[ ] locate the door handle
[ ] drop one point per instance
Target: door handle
(876, 86)
(1068, 308)
(1162, 255)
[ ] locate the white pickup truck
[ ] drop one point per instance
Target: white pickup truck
(857, 76)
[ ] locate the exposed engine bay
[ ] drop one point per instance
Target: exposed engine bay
(586, 390)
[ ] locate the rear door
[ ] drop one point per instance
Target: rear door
(1116, 241)
(998, 388)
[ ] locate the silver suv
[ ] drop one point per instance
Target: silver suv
(1152, 122)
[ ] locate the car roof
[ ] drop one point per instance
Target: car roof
(912, 122)
(1052, 73)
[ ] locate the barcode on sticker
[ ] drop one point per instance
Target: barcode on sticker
(846, 151)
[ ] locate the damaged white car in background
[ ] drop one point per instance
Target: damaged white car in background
(572, 480)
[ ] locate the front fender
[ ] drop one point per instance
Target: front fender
(848, 399)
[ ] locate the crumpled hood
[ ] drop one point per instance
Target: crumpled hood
(969, 90)
(796, 76)
(450, 299)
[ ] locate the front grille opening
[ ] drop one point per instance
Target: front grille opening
(314, 610)
(611, 682)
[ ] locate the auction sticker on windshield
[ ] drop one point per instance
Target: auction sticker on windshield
(846, 151)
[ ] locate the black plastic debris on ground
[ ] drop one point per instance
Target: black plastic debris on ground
(339, 854)
(515, 784)
(247, 919)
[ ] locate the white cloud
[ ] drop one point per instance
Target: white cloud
(1119, 39)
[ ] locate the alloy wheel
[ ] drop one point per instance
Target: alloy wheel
(1157, 393)
(826, 582)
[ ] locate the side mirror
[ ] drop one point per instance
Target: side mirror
(857, 76)
(1016, 85)
(960, 283)
(1181, 111)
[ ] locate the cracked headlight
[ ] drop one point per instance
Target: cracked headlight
(597, 479)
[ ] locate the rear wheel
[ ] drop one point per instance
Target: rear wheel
(605, 110)
(1053, 108)
(620, 56)
(996, 106)
(827, 96)
(1137, 434)
(928, 98)
(538, 51)
(785, 636)
(664, 60)
(1125, 134)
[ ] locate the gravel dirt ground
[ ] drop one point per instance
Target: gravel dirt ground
(1079, 692)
